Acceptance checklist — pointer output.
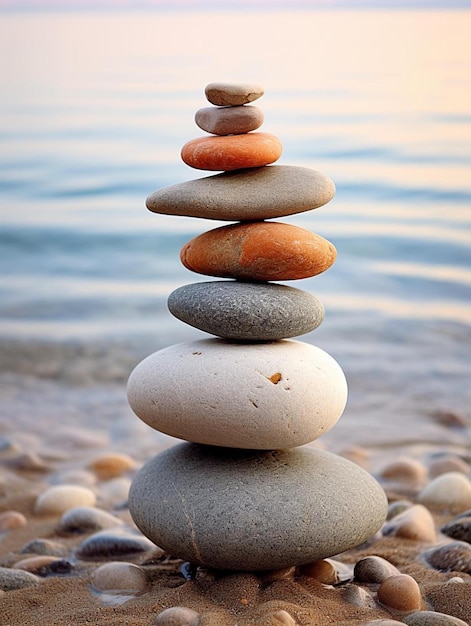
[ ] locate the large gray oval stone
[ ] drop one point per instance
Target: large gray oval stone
(262, 396)
(251, 194)
(248, 311)
(246, 510)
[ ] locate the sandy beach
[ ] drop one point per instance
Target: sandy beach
(96, 108)
(62, 590)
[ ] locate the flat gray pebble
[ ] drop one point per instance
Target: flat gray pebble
(108, 544)
(431, 618)
(44, 547)
(248, 311)
(85, 519)
(450, 557)
(459, 528)
(11, 579)
(374, 569)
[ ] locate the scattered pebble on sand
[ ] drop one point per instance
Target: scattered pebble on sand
(374, 569)
(119, 577)
(177, 616)
(400, 592)
(415, 523)
(59, 498)
(448, 492)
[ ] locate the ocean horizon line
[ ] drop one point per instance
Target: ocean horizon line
(222, 6)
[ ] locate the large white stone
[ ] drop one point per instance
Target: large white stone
(255, 509)
(270, 395)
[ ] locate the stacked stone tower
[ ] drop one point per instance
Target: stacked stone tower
(244, 492)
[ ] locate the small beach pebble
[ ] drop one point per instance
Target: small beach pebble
(10, 520)
(408, 471)
(374, 569)
(459, 528)
(448, 464)
(399, 506)
(327, 571)
(353, 594)
(415, 523)
(119, 577)
(28, 462)
(44, 565)
(44, 547)
(113, 543)
(451, 419)
(75, 477)
(86, 519)
(450, 557)
(431, 618)
(282, 618)
(59, 498)
(400, 592)
(177, 616)
(271, 576)
(383, 622)
(112, 465)
(448, 492)
(233, 120)
(12, 579)
(115, 492)
(232, 94)
(259, 251)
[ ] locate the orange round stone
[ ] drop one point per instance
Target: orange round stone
(232, 152)
(258, 251)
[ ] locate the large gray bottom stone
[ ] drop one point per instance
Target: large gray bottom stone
(247, 510)
(248, 311)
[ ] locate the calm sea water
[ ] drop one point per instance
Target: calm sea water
(94, 110)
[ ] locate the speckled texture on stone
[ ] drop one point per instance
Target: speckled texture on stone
(249, 311)
(253, 194)
(11, 579)
(431, 618)
(264, 396)
(229, 120)
(252, 510)
(232, 94)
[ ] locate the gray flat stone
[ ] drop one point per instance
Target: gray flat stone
(247, 311)
(251, 194)
(431, 618)
(255, 510)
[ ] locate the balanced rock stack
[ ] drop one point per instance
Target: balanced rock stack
(243, 492)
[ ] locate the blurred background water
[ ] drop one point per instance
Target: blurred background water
(95, 107)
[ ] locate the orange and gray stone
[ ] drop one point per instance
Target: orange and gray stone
(258, 251)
